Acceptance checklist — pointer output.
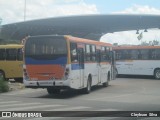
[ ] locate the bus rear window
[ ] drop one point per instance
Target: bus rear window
(46, 47)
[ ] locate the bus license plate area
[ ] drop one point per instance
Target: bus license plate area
(46, 83)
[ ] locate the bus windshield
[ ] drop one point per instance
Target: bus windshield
(45, 48)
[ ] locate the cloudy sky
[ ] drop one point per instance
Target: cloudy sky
(13, 11)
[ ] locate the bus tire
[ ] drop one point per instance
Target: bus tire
(52, 90)
(116, 73)
(105, 84)
(157, 74)
(87, 90)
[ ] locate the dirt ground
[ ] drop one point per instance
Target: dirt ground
(15, 85)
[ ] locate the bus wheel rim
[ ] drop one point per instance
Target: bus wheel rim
(158, 74)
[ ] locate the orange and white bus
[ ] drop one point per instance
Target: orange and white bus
(11, 62)
(138, 60)
(60, 62)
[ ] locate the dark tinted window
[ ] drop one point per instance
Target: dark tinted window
(11, 54)
(19, 54)
(93, 53)
(103, 54)
(108, 53)
(46, 47)
(155, 54)
(125, 54)
(118, 55)
(73, 50)
(2, 54)
(134, 54)
(144, 54)
(88, 53)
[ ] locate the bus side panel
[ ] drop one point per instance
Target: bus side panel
(137, 67)
(92, 69)
(124, 67)
(105, 70)
(12, 69)
(75, 76)
(145, 67)
(77, 82)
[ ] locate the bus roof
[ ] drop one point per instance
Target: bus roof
(82, 40)
(135, 47)
(11, 46)
(76, 39)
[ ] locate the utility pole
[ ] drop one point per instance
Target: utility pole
(24, 10)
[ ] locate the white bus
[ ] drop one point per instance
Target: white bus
(138, 60)
(60, 62)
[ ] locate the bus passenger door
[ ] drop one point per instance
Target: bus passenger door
(113, 65)
(81, 65)
(99, 65)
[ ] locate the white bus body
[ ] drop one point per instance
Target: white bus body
(60, 62)
(138, 60)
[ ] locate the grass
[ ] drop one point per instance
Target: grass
(3, 85)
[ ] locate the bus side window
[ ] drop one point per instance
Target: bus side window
(157, 54)
(118, 54)
(108, 56)
(98, 55)
(144, 54)
(134, 54)
(74, 55)
(19, 54)
(2, 54)
(88, 53)
(154, 54)
(103, 54)
(11, 54)
(93, 53)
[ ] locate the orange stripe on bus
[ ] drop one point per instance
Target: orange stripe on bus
(45, 72)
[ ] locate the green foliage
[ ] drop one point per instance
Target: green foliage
(154, 42)
(3, 85)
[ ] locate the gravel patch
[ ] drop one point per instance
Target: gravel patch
(13, 86)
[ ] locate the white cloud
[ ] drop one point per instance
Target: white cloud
(138, 9)
(130, 37)
(13, 10)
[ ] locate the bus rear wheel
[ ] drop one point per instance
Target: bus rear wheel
(157, 74)
(105, 84)
(87, 90)
(51, 91)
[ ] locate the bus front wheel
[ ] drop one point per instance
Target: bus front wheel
(157, 74)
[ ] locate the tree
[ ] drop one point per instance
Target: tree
(145, 43)
(155, 42)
